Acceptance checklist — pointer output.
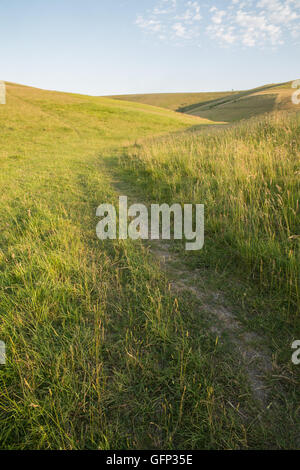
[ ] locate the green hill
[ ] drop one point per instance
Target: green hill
(245, 104)
(73, 307)
(222, 106)
(108, 349)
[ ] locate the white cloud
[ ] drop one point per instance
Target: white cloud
(178, 20)
(180, 30)
(256, 28)
(217, 17)
(256, 23)
(247, 23)
(150, 25)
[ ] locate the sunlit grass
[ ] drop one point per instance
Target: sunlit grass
(248, 179)
(100, 354)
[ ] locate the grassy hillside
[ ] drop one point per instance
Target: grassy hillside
(245, 104)
(84, 336)
(248, 179)
(101, 352)
(173, 101)
(223, 106)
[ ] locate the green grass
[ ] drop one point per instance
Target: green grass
(248, 178)
(100, 353)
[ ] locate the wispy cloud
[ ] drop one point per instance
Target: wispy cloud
(175, 20)
(246, 23)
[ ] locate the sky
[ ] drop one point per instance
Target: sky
(105, 47)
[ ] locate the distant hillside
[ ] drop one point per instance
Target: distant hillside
(173, 101)
(245, 104)
(222, 106)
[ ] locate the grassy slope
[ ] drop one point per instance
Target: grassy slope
(100, 354)
(173, 101)
(223, 106)
(248, 178)
(246, 104)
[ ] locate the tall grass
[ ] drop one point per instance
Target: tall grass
(248, 178)
(99, 353)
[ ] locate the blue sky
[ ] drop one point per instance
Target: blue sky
(103, 47)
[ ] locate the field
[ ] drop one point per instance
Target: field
(108, 345)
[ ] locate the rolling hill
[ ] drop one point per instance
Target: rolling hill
(223, 107)
(246, 104)
(105, 347)
(72, 307)
(173, 101)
